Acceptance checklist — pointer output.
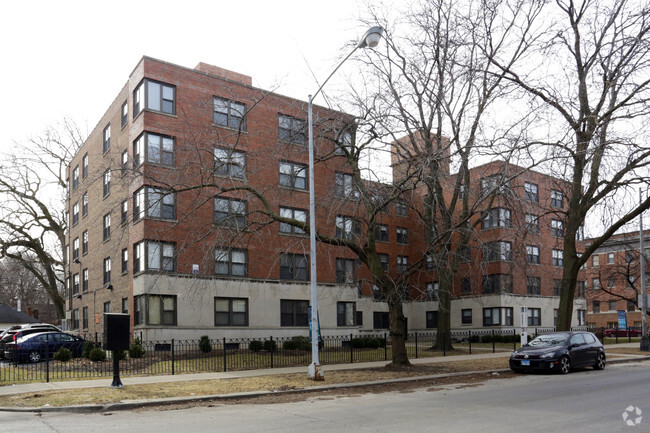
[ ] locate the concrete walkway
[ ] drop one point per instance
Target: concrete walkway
(106, 382)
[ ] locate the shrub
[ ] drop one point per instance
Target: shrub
(205, 345)
(136, 350)
(86, 348)
(475, 339)
(255, 346)
(297, 343)
(368, 342)
(97, 354)
(270, 345)
(600, 334)
(119, 354)
(63, 354)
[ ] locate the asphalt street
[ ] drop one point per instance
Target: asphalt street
(584, 401)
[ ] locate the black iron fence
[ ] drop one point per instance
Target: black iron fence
(212, 355)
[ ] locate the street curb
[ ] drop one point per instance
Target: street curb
(130, 405)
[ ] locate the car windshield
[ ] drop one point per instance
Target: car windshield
(549, 340)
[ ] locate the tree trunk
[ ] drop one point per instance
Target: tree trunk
(443, 339)
(398, 331)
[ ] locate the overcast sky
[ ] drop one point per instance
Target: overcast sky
(71, 58)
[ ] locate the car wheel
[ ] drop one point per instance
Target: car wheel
(565, 365)
(34, 356)
(600, 362)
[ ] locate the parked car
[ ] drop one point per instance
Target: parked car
(18, 331)
(559, 351)
(39, 346)
(622, 332)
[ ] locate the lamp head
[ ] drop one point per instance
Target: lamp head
(371, 38)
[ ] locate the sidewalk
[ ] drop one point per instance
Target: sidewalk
(127, 381)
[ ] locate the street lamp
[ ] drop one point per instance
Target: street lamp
(370, 39)
(645, 342)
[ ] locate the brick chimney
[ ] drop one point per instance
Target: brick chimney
(224, 73)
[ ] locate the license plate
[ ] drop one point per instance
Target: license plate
(525, 363)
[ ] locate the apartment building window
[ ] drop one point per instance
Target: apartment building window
(75, 319)
(84, 204)
(107, 270)
(294, 266)
(230, 212)
(466, 285)
(75, 214)
(557, 228)
(580, 234)
(431, 321)
(497, 251)
(494, 183)
(154, 256)
(293, 312)
(346, 271)
(497, 283)
(402, 235)
(401, 209)
(497, 316)
(532, 254)
(595, 306)
(611, 281)
(402, 263)
(292, 130)
(581, 288)
(343, 143)
(345, 313)
(631, 306)
(595, 283)
(466, 316)
(231, 262)
(124, 113)
(293, 175)
(345, 186)
(154, 149)
(384, 259)
(381, 233)
(107, 307)
(595, 261)
(558, 258)
(107, 227)
(429, 262)
(557, 287)
(155, 310)
(107, 138)
(84, 280)
(380, 320)
(84, 242)
(125, 305)
(496, 217)
(75, 178)
(75, 284)
(581, 315)
(432, 291)
(154, 96)
(154, 202)
(84, 317)
(612, 305)
(533, 285)
(532, 223)
(531, 192)
(125, 261)
(124, 212)
(347, 227)
(230, 312)
(610, 258)
(296, 214)
(75, 249)
(107, 182)
(84, 166)
(229, 114)
(534, 317)
(557, 199)
(228, 162)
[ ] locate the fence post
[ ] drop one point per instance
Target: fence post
(470, 341)
(47, 360)
(224, 354)
(514, 338)
(96, 338)
(616, 333)
(173, 358)
(385, 347)
(629, 336)
(444, 345)
(272, 348)
(493, 345)
(351, 350)
(416, 345)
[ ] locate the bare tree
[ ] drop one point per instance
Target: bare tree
(587, 78)
(33, 220)
(19, 287)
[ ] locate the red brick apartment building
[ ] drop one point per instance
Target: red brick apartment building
(169, 205)
(614, 281)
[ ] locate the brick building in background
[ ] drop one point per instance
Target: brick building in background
(168, 208)
(614, 281)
